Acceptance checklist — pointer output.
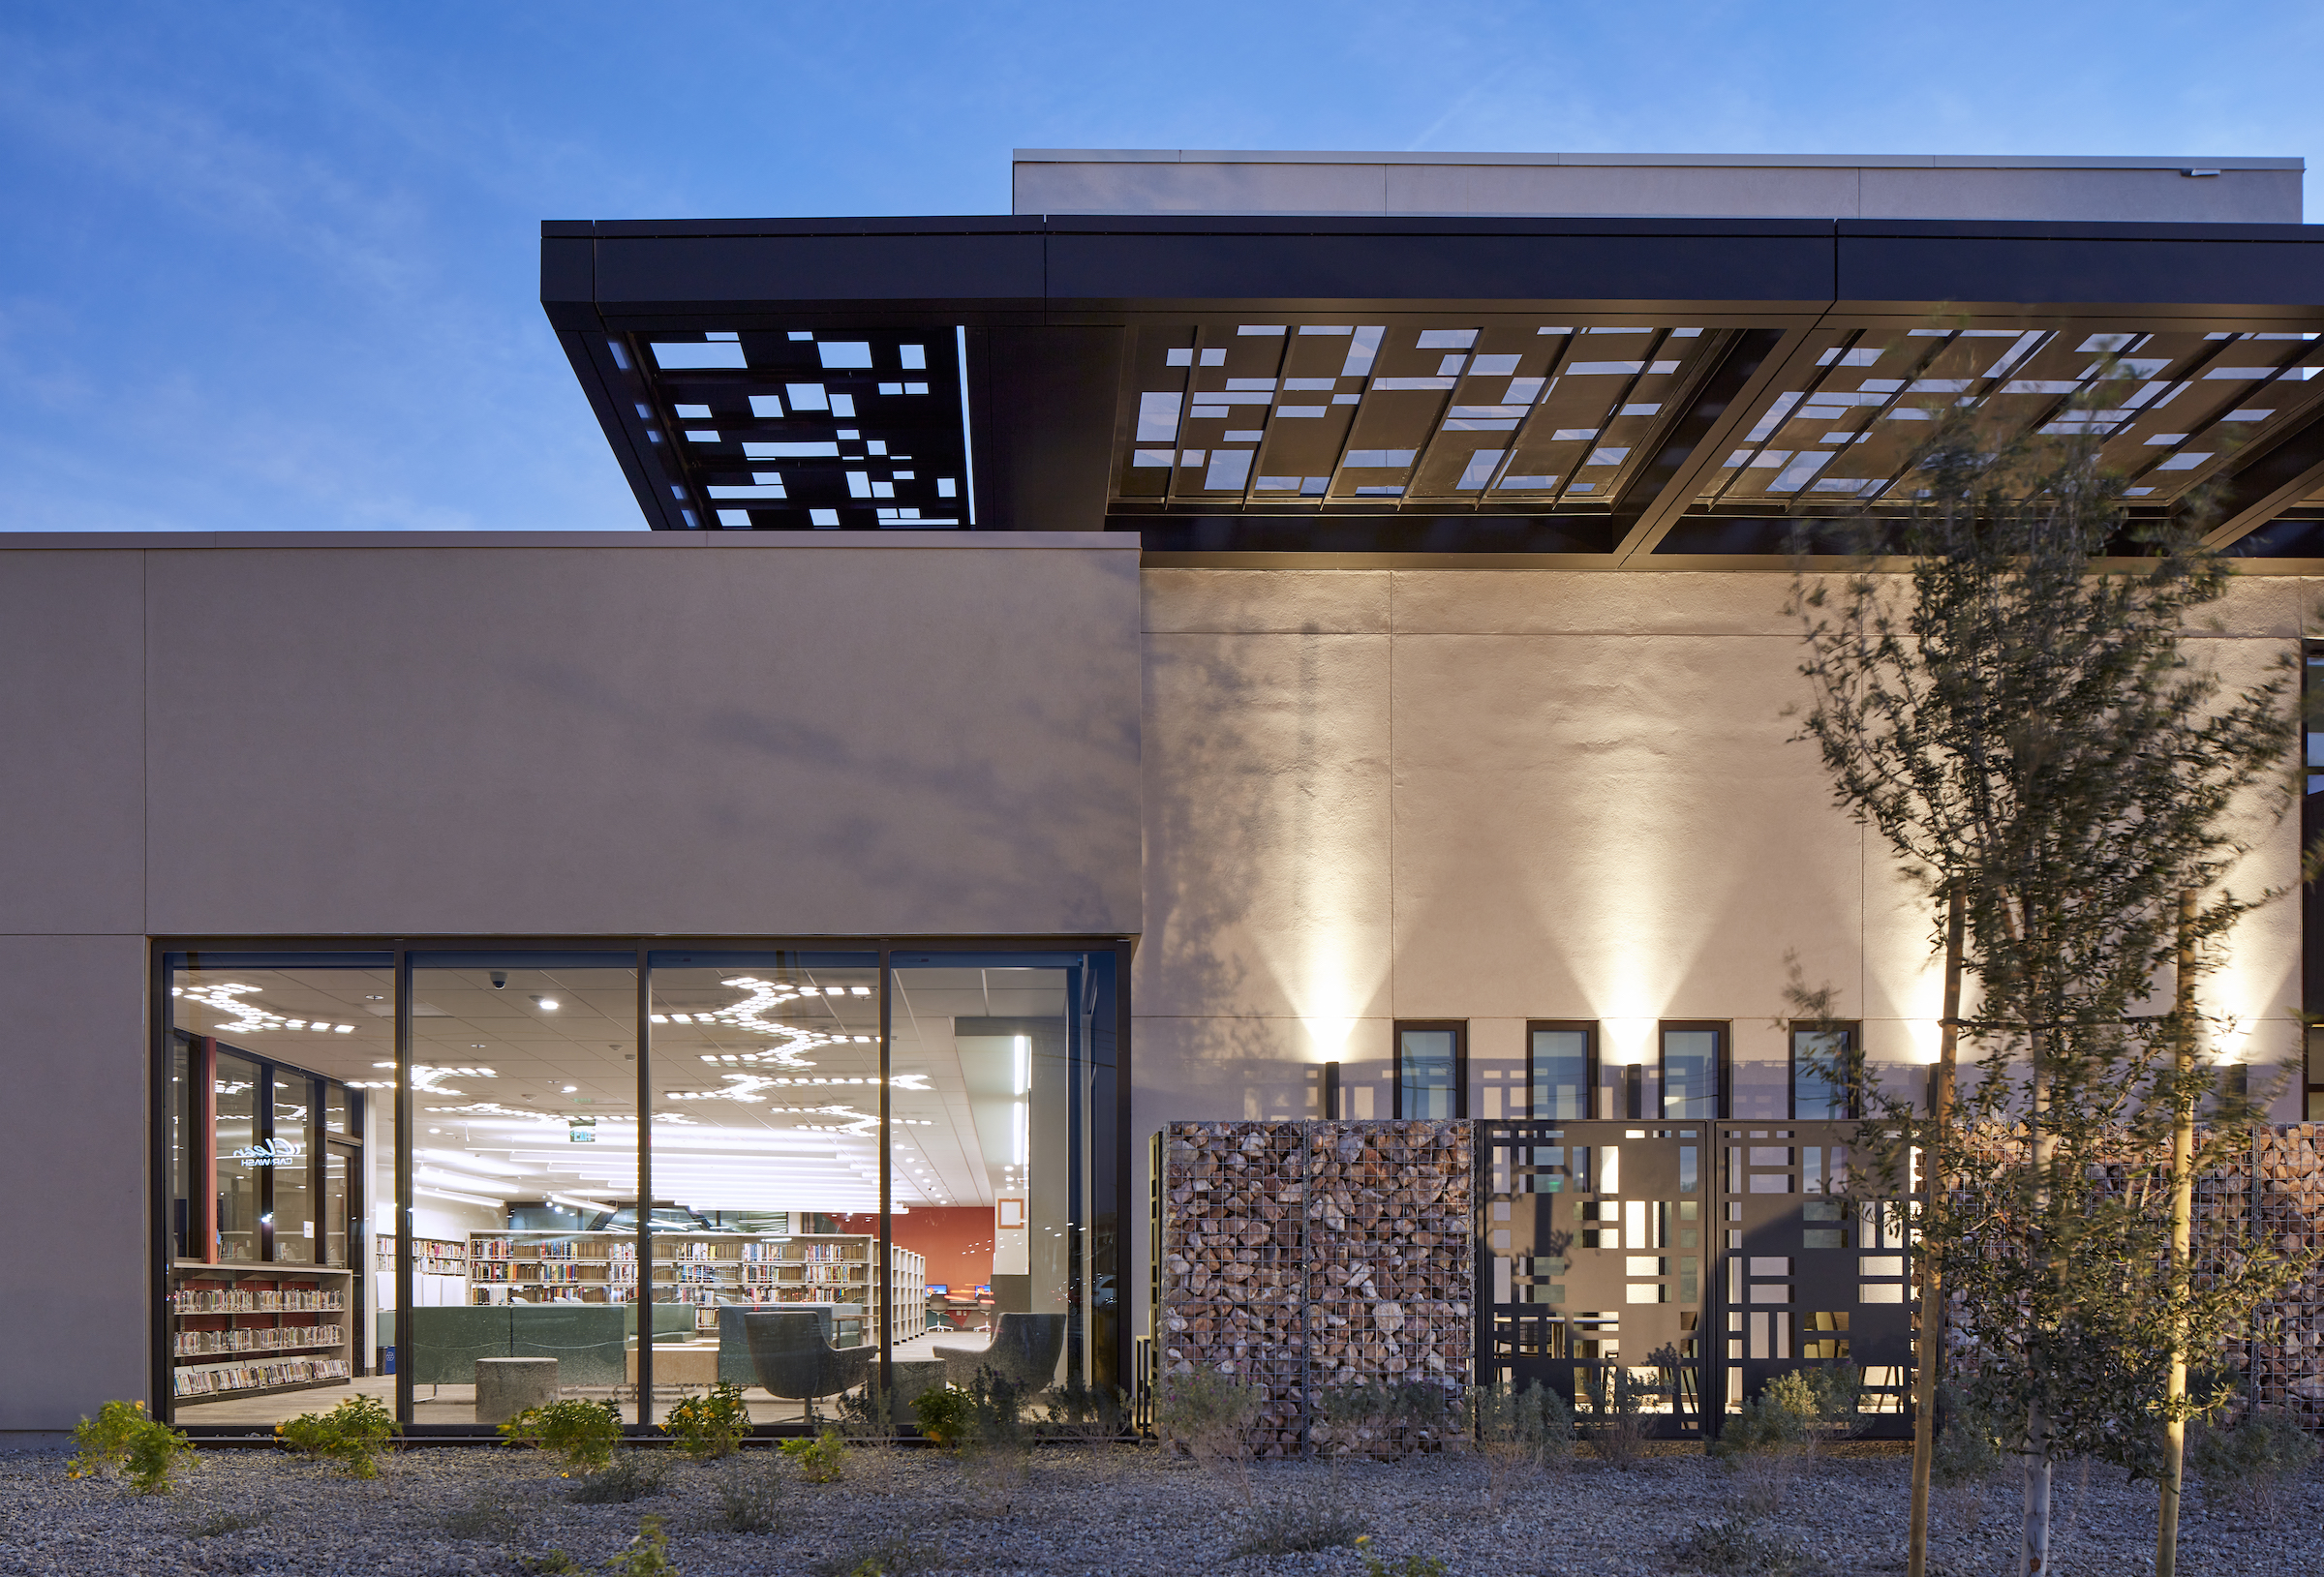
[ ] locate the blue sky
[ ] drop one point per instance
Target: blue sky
(273, 267)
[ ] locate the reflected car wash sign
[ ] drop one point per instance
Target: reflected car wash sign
(583, 1130)
(279, 1152)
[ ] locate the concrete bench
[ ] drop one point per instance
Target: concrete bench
(507, 1386)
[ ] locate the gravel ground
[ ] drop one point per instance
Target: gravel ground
(493, 1510)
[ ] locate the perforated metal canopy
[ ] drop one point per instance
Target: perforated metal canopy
(1642, 394)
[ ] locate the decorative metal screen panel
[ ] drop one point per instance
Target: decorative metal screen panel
(1608, 1245)
(1807, 1275)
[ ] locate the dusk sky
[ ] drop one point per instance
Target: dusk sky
(275, 267)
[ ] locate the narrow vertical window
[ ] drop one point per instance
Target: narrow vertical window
(1432, 1068)
(1561, 1069)
(1693, 1069)
(1819, 1054)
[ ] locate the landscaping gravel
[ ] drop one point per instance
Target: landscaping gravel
(496, 1510)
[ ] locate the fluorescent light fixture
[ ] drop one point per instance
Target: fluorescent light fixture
(1019, 1124)
(1023, 1065)
(452, 1193)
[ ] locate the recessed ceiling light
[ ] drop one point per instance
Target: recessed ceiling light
(569, 1088)
(547, 1004)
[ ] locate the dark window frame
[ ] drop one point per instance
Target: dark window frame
(1853, 1028)
(1592, 1066)
(1723, 1065)
(1459, 1028)
(1111, 1057)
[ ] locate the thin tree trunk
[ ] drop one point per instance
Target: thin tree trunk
(1930, 1344)
(2182, 1212)
(2034, 1553)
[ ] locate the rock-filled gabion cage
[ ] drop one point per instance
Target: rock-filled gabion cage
(1303, 1256)
(1299, 1256)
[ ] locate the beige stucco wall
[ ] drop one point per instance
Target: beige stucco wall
(1502, 795)
(605, 735)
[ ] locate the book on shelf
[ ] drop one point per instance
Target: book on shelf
(215, 1381)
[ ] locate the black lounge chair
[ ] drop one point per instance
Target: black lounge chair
(1023, 1351)
(795, 1363)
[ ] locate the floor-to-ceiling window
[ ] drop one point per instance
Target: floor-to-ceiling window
(661, 1168)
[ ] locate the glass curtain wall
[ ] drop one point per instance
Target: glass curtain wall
(803, 1208)
(270, 1060)
(525, 1200)
(765, 1162)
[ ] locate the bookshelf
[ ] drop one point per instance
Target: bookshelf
(238, 1328)
(701, 1268)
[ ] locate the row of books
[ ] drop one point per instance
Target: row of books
(252, 1300)
(258, 1377)
(194, 1344)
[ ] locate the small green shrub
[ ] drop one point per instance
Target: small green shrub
(1732, 1548)
(1968, 1449)
(1208, 1413)
(1618, 1422)
(1520, 1434)
(1376, 1564)
(635, 1475)
(712, 1425)
(1766, 1423)
(582, 1433)
(122, 1439)
(942, 1414)
(2247, 1464)
(647, 1555)
(893, 1554)
(556, 1564)
(352, 1434)
(750, 1500)
(487, 1516)
(1088, 1414)
(219, 1523)
(822, 1460)
(1299, 1526)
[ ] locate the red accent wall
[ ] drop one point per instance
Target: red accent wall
(956, 1240)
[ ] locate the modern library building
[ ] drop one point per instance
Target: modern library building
(1243, 639)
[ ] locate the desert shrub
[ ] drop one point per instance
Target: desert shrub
(581, 1433)
(1735, 1547)
(633, 1476)
(1380, 1418)
(822, 1460)
(122, 1439)
(1299, 1525)
(1968, 1449)
(219, 1523)
(996, 1442)
(647, 1555)
(942, 1414)
(2246, 1465)
(712, 1425)
(1520, 1434)
(1088, 1414)
(353, 1435)
(1375, 1564)
(893, 1555)
(487, 1515)
(1208, 1413)
(1618, 1422)
(750, 1500)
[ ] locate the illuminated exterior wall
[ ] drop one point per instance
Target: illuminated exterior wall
(1503, 794)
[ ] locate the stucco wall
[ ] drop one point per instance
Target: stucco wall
(604, 735)
(1495, 796)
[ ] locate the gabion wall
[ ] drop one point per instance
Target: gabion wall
(1303, 1255)
(2287, 1365)
(1299, 1256)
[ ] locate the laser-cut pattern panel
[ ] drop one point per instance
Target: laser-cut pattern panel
(1809, 1274)
(1592, 1262)
(797, 429)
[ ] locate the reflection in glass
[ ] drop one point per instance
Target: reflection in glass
(181, 1140)
(238, 1207)
(1816, 1055)
(1429, 1074)
(766, 1178)
(335, 1204)
(290, 1164)
(1691, 1071)
(524, 1172)
(1561, 1073)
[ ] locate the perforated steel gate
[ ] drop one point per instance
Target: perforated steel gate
(1703, 1257)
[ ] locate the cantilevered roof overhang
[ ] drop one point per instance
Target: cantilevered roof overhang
(1572, 392)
